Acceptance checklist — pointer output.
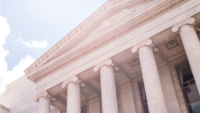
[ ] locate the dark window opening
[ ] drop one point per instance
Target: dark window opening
(143, 97)
(84, 109)
(189, 88)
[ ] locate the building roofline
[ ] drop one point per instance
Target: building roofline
(2, 106)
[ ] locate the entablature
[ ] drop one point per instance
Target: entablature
(119, 31)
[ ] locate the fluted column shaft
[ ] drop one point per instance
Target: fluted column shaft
(108, 90)
(155, 97)
(44, 105)
(192, 48)
(73, 98)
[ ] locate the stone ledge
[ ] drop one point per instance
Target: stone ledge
(4, 107)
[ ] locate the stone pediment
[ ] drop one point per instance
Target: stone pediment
(115, 19)
(97, 30)
(70, 43)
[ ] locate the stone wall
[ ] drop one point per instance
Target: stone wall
(127, 100)
(4, 109)
(168, 90)
(19, 95)
(178, 91)
(136, 94)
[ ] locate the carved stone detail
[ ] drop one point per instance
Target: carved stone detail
(188, 21)
(73, 79)
(171, 47)
(116, 19)
(134, 62)
(30, 70)
(107, 62)
(43, 94)
(147, 42)
(171, 44)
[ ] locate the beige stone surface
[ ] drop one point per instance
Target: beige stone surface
(163, 90)
(73, 98)
(136, 94)
(94, 105)
(19, 96)
(192, 47)
(4, 109)
(152, 83)
(176, 83)
(108, 90)
(128, 105)
(165, 21)
(168, 90)
(44, 105)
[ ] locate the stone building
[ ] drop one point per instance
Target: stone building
(130, 56)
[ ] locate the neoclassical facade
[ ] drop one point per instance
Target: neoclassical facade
(130, 56)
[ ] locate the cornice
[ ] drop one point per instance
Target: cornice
(135, 23)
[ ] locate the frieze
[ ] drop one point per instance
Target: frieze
(116, 19)
(143, 20)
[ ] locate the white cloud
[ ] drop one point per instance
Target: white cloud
(6, 76)
(34, 43)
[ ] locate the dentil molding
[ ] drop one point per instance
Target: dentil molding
(41, 73)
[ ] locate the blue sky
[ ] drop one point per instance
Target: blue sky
(28, 28)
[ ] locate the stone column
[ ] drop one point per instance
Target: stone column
(192, 46)
(73, 98)
(44, 102)
(155, 97)
(73, 94)
(44, 105)
(108, 89)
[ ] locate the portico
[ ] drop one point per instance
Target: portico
(129, 66)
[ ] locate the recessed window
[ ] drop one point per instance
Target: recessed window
(143, 97)
(189, 88)
(84, 109)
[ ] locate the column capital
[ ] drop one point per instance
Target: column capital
(107, 62)
(147, 42)
(43, 94)
(73, 79)
(188, 21)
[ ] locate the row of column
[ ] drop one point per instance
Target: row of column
(154, 91)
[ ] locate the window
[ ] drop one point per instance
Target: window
(143, 97)
(84, 109)
(189, 88)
